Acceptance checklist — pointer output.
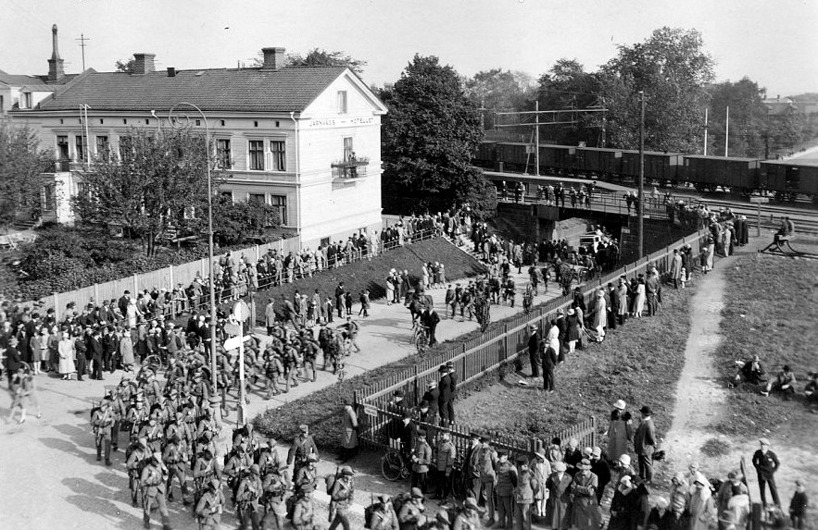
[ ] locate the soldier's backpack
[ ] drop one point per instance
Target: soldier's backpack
(399, 500)
(329, 481)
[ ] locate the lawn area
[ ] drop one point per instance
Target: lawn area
(371, 275)
(771, 310)
(640, 363)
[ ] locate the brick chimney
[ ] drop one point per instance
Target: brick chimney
(143, 63)
(55, 65)
(273, 58)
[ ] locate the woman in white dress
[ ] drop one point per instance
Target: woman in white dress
(640, 297)
(65, 349)
(132, 312)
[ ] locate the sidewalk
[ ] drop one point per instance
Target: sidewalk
(55, 456)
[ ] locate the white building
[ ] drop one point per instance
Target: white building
(303, 139)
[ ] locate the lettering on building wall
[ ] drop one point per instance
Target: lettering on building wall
(340, 122)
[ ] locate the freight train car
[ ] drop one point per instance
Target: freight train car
(708, 172)
(789, 178)
(658, 166)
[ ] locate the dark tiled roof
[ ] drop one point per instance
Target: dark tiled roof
(249, 90)
(20, 80)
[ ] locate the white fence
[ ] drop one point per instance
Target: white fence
(166, 278)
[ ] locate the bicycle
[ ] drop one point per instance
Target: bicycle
(421, 339)
(393, 466)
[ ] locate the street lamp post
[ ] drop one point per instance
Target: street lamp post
(181, 120)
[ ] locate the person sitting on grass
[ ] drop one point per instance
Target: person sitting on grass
(751, 371)
(811, 391)
(784, 382)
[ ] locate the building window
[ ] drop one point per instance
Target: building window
(2, 106)
(223, 154)
(82, 149)
(256, 198)
(27, 100)
(349, 152)
(342, 102)
(62, 148)
(279, 202)
(125, 147)
(279, 158)
(103, 147)
(257, 155)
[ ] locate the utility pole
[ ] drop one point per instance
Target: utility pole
(726, 129)
(82, 40)
(537, 137)
(705, 131)
(641, 209)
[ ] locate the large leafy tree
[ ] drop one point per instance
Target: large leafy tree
(749, 126)
(673, 70)
(498, 90)
(21, 162)
(235, 222)
(429, 136)
(150, 186)
(568, 86)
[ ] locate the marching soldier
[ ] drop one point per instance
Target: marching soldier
(342, 496)
(175, 461)
(153, 433)
(302, 446)
(237, 466)
(304, 511)
(247, 499)
(273, 368)
(153, 480)
(210, 507)
(274, 487)
(307, 476)
(204, 472)
(103, 422)
(118, 409)
(138, 458)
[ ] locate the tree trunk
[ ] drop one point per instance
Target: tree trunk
(151, 244)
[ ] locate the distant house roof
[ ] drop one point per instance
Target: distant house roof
(20, 80)
(248, 90)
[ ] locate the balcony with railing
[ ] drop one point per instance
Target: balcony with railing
(350, 169)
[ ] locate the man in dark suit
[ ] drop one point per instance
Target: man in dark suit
(453, 387)
(533, 349)
(11, 357)
(123, 302)
(445, 388)
(644, 443)
(95, 351)
(548, 358)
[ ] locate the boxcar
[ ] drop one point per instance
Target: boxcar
(789, 177)
(707, 172)
(486, 156)
(599, 162)
(658, 166)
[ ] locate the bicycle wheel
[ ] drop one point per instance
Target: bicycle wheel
(422, 343)
(392, 465)
(458, 485)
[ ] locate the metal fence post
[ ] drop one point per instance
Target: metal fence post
(170, 275)
(505, 341)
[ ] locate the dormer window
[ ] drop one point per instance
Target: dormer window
(27, 100)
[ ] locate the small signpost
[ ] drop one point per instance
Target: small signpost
(759, 201)
(370, 410)
(241, 312)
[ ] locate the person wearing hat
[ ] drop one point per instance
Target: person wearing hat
(548, 357)
(621, 468)
(572, 455)
(469, 517)
(307, 475)
(342, 496)
(506, 481)
(103, 422)
(248, 497)
(274, 488)
(349, 432)
(138, 457)
(600, 468)
(175, 460)
(205, 468)
(421, 459)
(523, 494)
(303, 446)
(620, 431)
(471, 466)
(153, 479)
(540, 469)
(574, 326)
(210, 506)
(798, 506)
(644, 443)
(445, 457)
(702, 507)
(585, 507)
(303, 510)
(411, 515)
(653, 292)
(766, 463)
(784, 383)
(559, 496)
(383, 515)
(534, 341)
(444, 386)
(432, 397)
(486, 462)
(730, 488)
(629, 507)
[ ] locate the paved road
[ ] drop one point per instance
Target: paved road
(48, 474)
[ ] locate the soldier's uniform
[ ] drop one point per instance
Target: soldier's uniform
(306, 476)
(137, 459)
(210, 507)
(237, 466)
(153, 433)
(247, 499)
(175, 461)
(153, 481)
(103, 422)
(274, 487)
(204, 471)
(304, 512)
(302, 447)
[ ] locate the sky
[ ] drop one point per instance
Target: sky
(772, 43)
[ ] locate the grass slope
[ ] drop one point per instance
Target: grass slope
(771, 310)
(371, 275)
(640, 363)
